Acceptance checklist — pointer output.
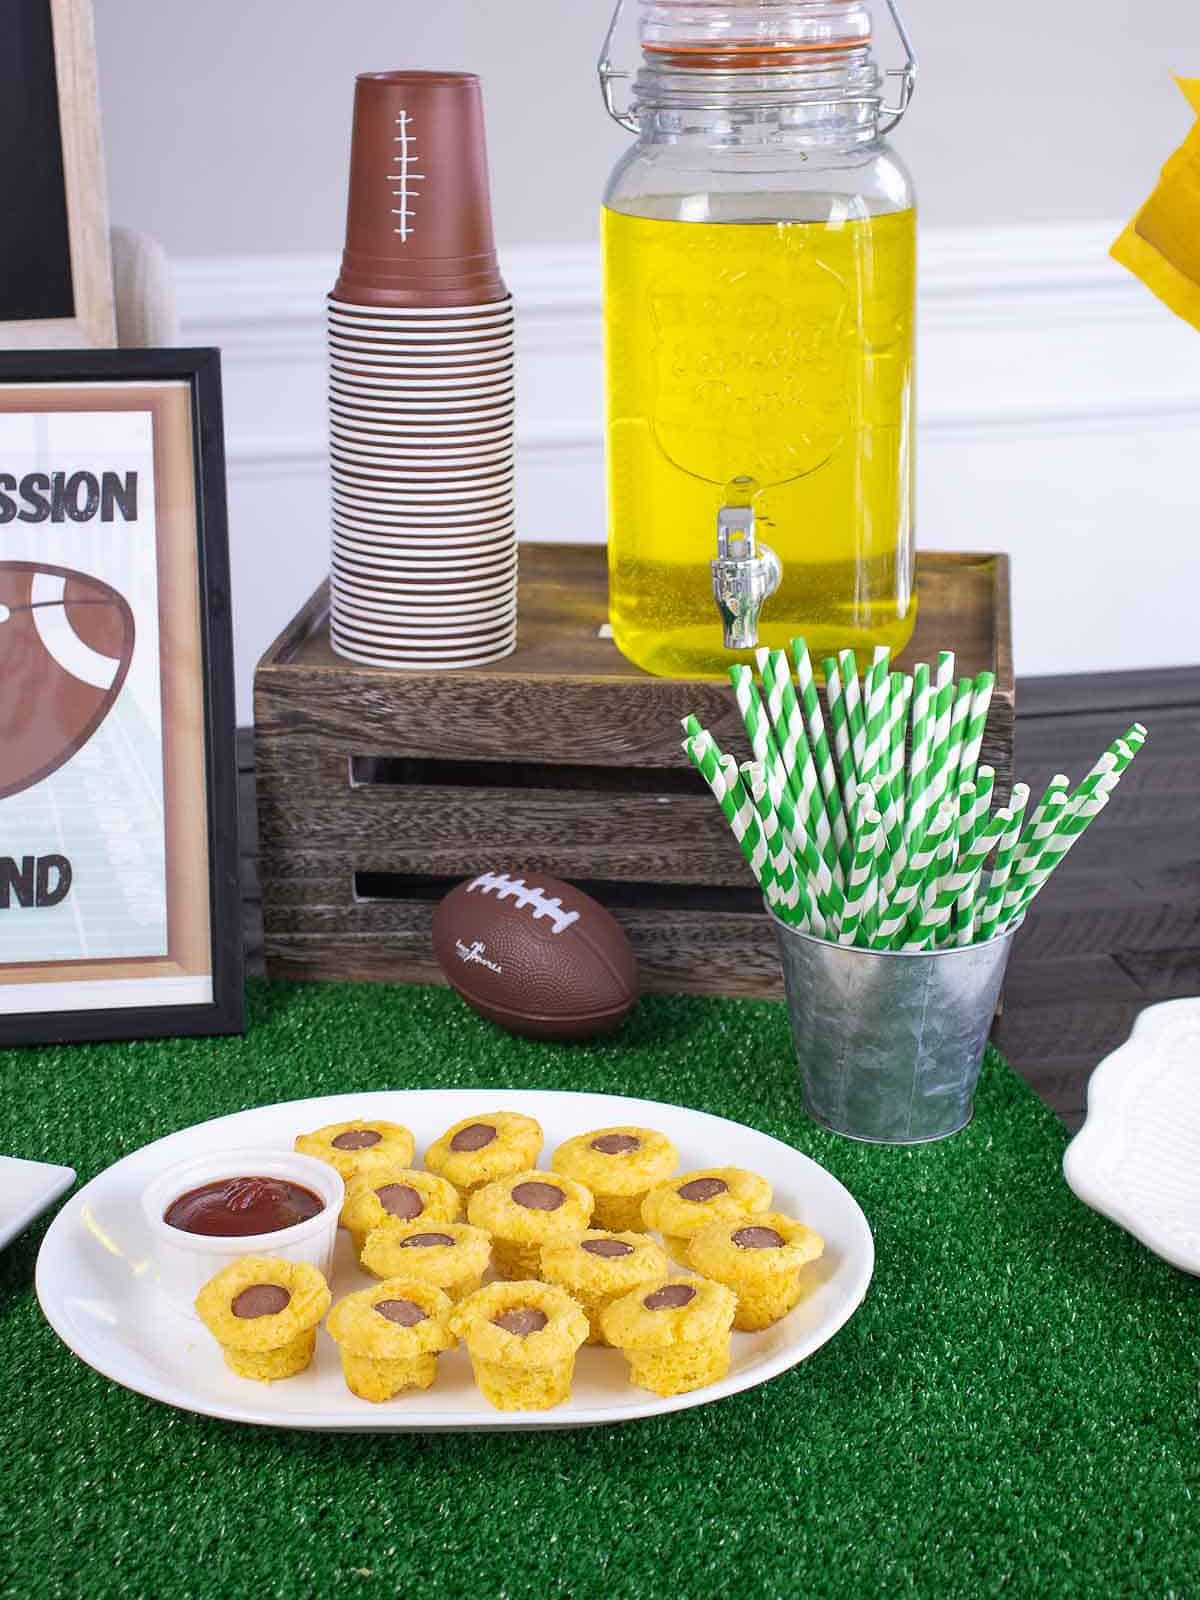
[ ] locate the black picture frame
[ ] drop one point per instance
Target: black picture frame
(201, 370)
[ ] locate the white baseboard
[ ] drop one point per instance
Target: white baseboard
(1059, 410)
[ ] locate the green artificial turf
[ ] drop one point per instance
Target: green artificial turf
(1014, 1409)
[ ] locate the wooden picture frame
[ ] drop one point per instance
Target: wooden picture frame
(118, 768)
(93, 320)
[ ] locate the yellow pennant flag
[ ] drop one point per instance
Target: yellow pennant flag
(1161, 245)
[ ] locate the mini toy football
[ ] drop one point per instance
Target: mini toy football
(66, 642)
(535, 956)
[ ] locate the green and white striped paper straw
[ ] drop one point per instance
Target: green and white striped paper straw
(922, 929)
(967, 909)
(895, 913)
(949, 881)
(1045, 823)
(959, 717)
(792, 740)
(847, 844)
(878, 682)
(930, 795)
(819, 744)
(825, 886)
(1056, 791)
(981, 700)
(922, 742)
(839, 722)
(1106, 773)
(1079, 817)
(862, 874)
(854, 709)
(787, 889)
(734, 802)
(899, 695)
(989, 916)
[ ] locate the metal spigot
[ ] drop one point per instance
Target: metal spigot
(744, 575)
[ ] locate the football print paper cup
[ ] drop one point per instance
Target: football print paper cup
(397, 529)
(424, 628)
(434, 496)
(419, 216)
(401, 663)
(476, 506)
(407, 653)
(445, 521)
(437, 639)
(422, 348)
(423, 362)
(362, 586)
(425, 318)
(351, 601)
(421, 604)
(455, 572)
(494, 462)
(439, 563)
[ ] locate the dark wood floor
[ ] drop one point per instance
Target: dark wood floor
(1119, 925)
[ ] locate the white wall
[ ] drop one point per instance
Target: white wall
(227, 121)
(1060, 404)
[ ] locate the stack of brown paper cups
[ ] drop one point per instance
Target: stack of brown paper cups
(421, 388)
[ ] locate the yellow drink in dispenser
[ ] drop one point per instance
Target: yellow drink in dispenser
(759, 283)
(779, 352)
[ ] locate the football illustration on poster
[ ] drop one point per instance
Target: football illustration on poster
(66, 644)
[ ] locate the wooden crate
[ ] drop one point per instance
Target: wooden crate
(379, 790)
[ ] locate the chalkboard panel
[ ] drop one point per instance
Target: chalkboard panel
(35, 246)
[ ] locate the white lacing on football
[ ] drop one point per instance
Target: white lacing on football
(527, 898)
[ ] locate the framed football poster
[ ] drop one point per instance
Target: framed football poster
(119, 898)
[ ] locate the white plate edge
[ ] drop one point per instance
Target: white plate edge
(1107, 1088)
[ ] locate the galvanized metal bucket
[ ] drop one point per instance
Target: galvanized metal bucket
(890, 1043)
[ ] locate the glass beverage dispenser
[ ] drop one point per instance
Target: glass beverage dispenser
(759, 262)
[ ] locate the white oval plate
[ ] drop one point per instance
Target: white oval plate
(99, 1291)
(1136, 1159)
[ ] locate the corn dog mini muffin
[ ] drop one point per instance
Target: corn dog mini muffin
(264, 1312)
(675, 1336)
(390, 1336)
(597, 1268)
(761, 1259)
(359, 1146)
(451, 1256)
(620, 1166)
(401, 1192)
(522, 1339)
(526, 1211)
(478, 1150)
(683, 1205)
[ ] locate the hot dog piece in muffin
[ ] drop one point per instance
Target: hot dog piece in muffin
(451, 1256)
(675, 1335)
(596, 1268)
(683, 1205)
(478, 1150)
(620, 1166)
(526, 1211)
(400, 1192)
(390, 1336)
(264, 1312)
(363, 1145)
(762, 1259)
(522, 1339)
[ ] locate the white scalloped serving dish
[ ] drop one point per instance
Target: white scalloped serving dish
(1136, 1159)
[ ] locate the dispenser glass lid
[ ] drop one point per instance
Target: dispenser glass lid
(750, 33)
